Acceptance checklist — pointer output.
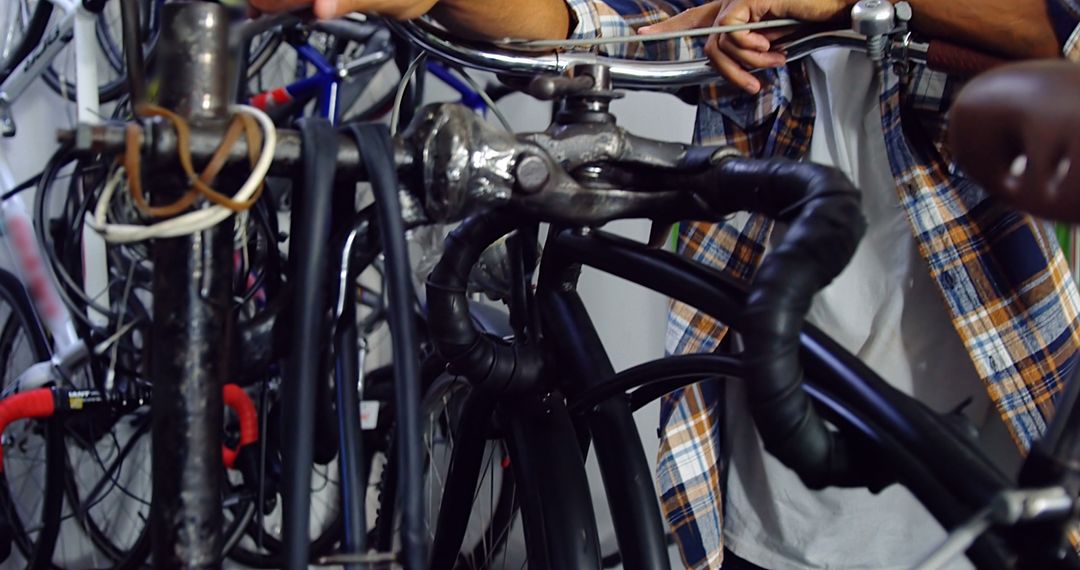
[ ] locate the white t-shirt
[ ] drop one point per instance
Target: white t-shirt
(885, 309)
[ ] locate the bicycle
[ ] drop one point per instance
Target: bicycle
(80, 340)
(31, 52)
(604, 173)
(66, 351)
(641, 266)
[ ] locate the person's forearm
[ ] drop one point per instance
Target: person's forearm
(497, 19)
(1016, 28)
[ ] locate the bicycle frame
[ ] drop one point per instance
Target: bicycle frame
(16, 225)
(16, 229)
(324, 83)
(76, 24)
(944, 470)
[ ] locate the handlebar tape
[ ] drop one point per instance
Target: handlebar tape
(38, 403)
(42, 403)
(240, 403)
(951, 58)
(825, 223)
(478, 357)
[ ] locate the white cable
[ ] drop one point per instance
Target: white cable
(191, 222)
(403, 85)
(640, 38)
(242, 222)
(110, 376)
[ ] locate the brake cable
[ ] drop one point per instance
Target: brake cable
(627, 39)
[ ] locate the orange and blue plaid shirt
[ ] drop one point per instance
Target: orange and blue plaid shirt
(1002, 277)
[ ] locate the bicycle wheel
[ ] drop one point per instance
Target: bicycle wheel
(112, 78)
(494, 501)
(30, 491)
(261, 545)
(109, 482)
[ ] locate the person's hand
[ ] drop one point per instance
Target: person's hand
(1016, 131)
(732, 54)
(328, 9)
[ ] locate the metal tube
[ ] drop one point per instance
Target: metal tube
(160, 147)
(628, 481)
(133, 51)
(192, 317)
(348, 371)
(351, 463)
(556, 510)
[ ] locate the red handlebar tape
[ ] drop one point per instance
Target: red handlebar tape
(237, 399)
(41, 403)
(37, 403)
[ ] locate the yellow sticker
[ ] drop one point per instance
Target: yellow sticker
(75, 403)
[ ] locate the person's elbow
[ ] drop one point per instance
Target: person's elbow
(1039, 45)
(1033, 38)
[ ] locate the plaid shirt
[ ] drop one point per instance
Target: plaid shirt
(1005, 283)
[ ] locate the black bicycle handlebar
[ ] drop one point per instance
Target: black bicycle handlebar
(822, 210)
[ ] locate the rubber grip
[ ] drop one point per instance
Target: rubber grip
(240, 403)
(39, 403)
(953, 59)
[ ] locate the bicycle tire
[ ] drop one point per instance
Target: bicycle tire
(114, 88)
(35, 30)
(33, 548)
(495, 531)
(264, 549)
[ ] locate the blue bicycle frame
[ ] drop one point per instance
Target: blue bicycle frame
(324, 83)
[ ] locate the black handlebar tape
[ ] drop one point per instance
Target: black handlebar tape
(825, 223)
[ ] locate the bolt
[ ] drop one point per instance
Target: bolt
(532, 174)
(903, 11)
(874, 19)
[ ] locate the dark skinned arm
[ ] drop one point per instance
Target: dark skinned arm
(498, 19)
(491, 19)
(1015, 28)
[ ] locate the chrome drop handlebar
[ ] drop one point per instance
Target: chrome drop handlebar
(628, 74)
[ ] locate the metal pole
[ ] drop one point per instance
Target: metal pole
(133, 50)
(192, 317)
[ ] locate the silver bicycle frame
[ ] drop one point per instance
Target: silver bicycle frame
(75, 23)
(16, 224)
